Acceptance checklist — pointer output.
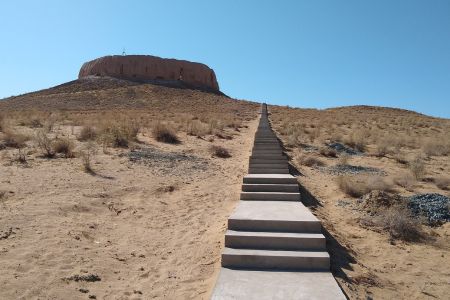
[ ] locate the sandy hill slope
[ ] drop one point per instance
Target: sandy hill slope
(105, 93)
(111, 189)
(378, 178)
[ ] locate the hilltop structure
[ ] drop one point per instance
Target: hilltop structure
(147, 68)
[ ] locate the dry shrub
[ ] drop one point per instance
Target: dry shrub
(358, 187)
(2, 123)
(219, 151)
(434, 147)
(443, 183)
(64, 146)
(44, 143)
(165, 134)
(119, 134)
(357, 140)
(21, 156)
(344, 158)
(400, 158)
(87, 133)
(87, 154)
(14, 139)
(417, 167)
(382, 148)
(310, 161)
(197, 128)
(405, 180)
(328, 152)
(400, 224)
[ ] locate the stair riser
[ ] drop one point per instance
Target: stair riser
(269, 165)
(275, 262)
(272, 243)
(270, 196)
(275, 226)
(268, 171)
(269, 180)
(271, 188)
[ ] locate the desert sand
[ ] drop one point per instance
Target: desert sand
(143, 229)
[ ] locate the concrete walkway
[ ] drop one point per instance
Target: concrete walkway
(274, 246)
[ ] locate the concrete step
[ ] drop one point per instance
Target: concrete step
(275, 285)
(268, 171)
(270, 196)
(276, 165)
(268, 151)
(269, 156)
(273, 216)
(276, 260)
(266, 146)
(287, 188)
(282, 158)
(270, 178)
(274, 240)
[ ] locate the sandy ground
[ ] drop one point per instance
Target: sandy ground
(136, 230)
(366, 263)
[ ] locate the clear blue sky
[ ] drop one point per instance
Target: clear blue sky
(301, 53)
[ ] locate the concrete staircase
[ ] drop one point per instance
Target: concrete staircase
(271, 233)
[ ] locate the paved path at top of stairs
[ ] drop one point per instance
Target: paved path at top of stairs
(274, 246)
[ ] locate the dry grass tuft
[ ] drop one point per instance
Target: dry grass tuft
(417, 167)
(44, 143)
(328, 152)
(119, 134)
(358, 187)
(165, 134)
(357, 140)
(443, 183)
(87, 154)
(435, 147)
(344, 159)
(406, 180)
(14, 139)
(310, 161)
(400, 224)
(2, 123)
(197, 128)
(219, 151)
(64, 146)
(87, 133)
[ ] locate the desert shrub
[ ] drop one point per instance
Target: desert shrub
(343, 160)
(417, 167)
(357, 140)
(219, 151)
(21, 156)
(14, 139)
(436, 147)
(358, 187)
(35, 123)
(382, 148)
(443, 183)
(87, 133)
(2, 123)
(87, 154)
(44, 143)
(310, 161)
(406, 180)
(119, 134)
(164, 133)
(400, 158)
(400, 224)
(328, 152)
(64, 146)
(197, 128)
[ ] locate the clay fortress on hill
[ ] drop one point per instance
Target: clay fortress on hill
(153, 69)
